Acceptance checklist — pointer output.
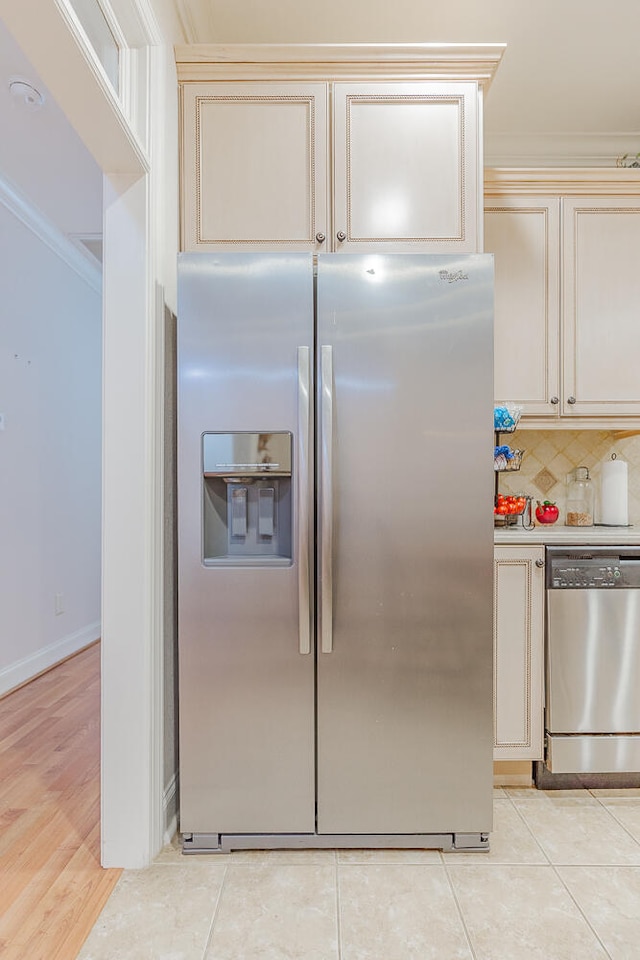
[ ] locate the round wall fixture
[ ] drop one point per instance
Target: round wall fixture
(25, 93)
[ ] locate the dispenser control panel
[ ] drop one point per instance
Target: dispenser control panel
(246, 454)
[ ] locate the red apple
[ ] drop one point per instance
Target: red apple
(547, 512)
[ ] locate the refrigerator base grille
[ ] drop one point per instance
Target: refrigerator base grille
(193, 843)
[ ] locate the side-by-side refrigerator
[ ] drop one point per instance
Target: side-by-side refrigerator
(335, 486)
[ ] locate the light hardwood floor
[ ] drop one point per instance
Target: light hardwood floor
(52, 886)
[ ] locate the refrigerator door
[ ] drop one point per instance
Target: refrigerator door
(245, 337)
(404, 689)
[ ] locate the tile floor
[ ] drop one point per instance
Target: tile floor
(561, 882)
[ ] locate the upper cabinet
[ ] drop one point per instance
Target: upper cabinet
(523, 234)
(405, 167)
(351, 148)
(567, 299)
(255, 169)
(601, 306)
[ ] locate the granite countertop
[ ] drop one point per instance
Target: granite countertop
(558, 533)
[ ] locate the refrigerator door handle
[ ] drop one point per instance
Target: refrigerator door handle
(326, 501)
(304, 480)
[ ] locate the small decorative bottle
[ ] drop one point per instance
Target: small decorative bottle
(579, 511)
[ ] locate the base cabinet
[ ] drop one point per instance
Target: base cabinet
(518, 652)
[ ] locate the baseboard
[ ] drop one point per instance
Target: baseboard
(170, 809)
(512, 773)
(512, 780)
(29, 667)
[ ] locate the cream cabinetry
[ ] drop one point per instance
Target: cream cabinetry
(523, 233)
(254, 166)
(351, 148)
(601, 306)
(518, 652)
(567, 319)
(257, 167)
(405, 167)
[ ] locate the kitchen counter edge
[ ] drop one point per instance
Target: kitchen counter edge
(518, 536)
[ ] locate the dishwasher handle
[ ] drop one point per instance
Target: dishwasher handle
(630, 571)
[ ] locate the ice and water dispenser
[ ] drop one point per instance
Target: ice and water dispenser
(247, 491)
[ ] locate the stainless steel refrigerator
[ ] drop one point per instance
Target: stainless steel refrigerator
(335, 491)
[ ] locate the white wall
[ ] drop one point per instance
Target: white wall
(50, 450)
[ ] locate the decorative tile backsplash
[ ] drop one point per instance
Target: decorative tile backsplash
(550, 455)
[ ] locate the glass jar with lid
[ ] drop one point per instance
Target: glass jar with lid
(579, 512)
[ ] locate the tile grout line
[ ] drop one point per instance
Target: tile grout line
(585, 864)
(536, 866)
(555, 866)
(579, 909)
(338, 926)
(472, 951)
(620, 824)
(215, 912)
(531, 833)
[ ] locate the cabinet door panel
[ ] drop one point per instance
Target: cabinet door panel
(405, 166)
(522, 233)
(601, 240)
(254, 166)
(518, 653)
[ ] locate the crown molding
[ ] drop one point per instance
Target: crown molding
(411, 61)
(570, 181)
(49, 234)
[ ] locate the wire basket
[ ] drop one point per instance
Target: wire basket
(506, 417)
(515, 507)
(501, 462)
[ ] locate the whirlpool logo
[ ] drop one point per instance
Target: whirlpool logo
(452, 277)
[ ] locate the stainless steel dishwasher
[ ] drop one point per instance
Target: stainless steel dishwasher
(592, 715)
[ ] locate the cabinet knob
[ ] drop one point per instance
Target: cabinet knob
(341, 235)
(539, 563)
(555, 400)
(320, 237)
(571, 400)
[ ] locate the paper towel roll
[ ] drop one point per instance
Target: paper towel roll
(614, 493)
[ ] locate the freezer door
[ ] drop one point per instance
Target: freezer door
(245, 329)
(404, 703)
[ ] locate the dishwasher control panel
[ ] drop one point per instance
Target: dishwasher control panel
(585, 573)
(597, 569)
